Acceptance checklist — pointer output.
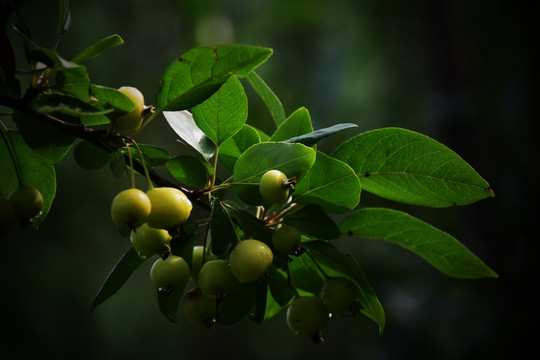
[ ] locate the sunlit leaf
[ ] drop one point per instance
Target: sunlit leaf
(298, 123)
(329, 183)
(313, 137)
(196, 75)
(405, 166)
(233, 147)
(98, 47)
(224, 113)
(438, 248)
(270, 99)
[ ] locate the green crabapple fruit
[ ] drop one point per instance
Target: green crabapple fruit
(148, 241)
(286, 239)
(307, 316)
(27, 202)
(216, 277)
(130, 208)
(273, 187)
(197, 260)
(199, 307)
(250, 260)
(170, 207)
(7, 213)
(338, 294)
(133, 119)
(171, 273)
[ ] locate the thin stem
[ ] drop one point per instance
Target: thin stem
(215, 168)
(131, 173)
(9, 144)
(291, 281)
(316, 264)
(141, 156)
(146, 123)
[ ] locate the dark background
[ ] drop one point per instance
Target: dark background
(461, 72)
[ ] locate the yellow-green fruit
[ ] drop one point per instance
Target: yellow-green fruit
(307, 315)
(130, 208)
(273, 187)
(149, 241)
(250, 260)
(216, 277)
(27, 202)
(133, 119)
(338, 294)
(197, 261)
(171, 273)
(286, 239)
(170, 208)
(199, 307)
(7, 214)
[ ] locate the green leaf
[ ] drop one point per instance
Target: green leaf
(232, 148)
(121, 272)
(112, 97)
(190, 170)
(117, 164)
(313, 221)
(73, 79)
(313, 137)
(98, 47)
(153, 155)
(279, 294)
(35, 171)
(269, 98)
(405, 166)
(46, 140)
(306, 275)
(221, 229)
(69, 105)
(298, 123)
(224, 113)
(253, 227)
(294, 160)
(237, 304)
(331, 184)
(336, 263)
(438, 248)
(184, 126)
(196, 75)
(168, 303)
(90, 157)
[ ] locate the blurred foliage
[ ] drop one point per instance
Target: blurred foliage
(461, 72)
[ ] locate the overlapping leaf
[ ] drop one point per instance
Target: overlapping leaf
(184, 126)
(331, 184)
(197, 74)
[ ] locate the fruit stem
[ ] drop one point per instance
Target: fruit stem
(212, 183)
(9, 146)
(131, 172)
(143, 162)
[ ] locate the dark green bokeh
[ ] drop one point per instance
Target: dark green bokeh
(461, 72)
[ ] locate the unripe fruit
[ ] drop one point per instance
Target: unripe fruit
(7, 214)
(338, 294)
(199, 307)
(286, 239)
(133, 119)
(197, 261)
(27, 202)
(216, 277)
(170, 208)
(130, 208)
(171, 273)
(273, 186)
(149, 241)
(250, 260)
(307, 316)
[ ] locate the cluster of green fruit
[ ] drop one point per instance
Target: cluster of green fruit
(24, 203)
(153, 216)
